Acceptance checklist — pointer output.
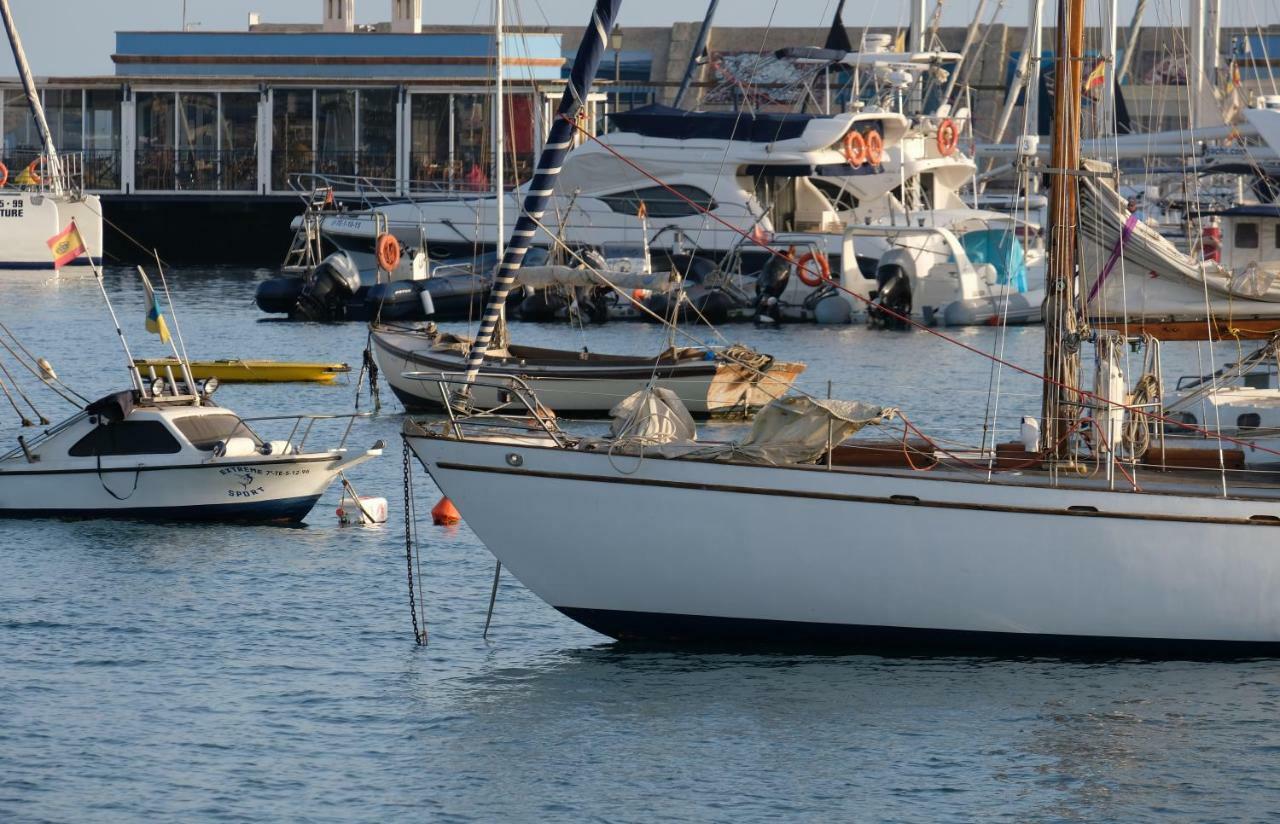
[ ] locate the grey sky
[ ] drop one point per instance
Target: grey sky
(76, 37)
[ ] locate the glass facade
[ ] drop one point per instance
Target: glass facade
(202, 140)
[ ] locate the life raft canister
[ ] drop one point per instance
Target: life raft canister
(948, 137)
(388, 250)
(806, 274)
(855, 149)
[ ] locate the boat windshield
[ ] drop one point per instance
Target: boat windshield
(205, 431)
(1002, 249)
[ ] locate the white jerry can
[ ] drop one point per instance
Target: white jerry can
(366, 510)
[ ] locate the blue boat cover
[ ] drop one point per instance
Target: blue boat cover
(1002, 249)
(657, 120)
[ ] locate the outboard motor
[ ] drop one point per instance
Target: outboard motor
(893, 294)
(770, 284)
(324, 297)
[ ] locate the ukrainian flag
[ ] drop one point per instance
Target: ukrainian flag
(155, 320)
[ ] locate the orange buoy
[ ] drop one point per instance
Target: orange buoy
(875, 147)
(388, 251)
(807, 276)
(855, 149)
(445, 513)
(4, 174)
(948, 137)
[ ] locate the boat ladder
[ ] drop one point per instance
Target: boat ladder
(305, 249)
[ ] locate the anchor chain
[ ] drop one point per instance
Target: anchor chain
(419, 636)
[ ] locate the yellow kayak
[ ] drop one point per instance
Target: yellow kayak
(250, 371)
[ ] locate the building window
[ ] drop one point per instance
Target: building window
(429, 155)
(1246, 236)
(377, 160)
(472, 142)
(519, 137)
(64, 111)
(238, 136)
(154, 159)
(102, 139)
(22, 143)
(336, 132)
(293, 135)
(197, 141)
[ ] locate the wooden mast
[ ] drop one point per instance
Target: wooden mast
(1061, 323)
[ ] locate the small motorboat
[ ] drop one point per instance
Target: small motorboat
(235, 370)
(169, 457)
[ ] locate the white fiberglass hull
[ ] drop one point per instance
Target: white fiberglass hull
(264, 489)
(691, 551)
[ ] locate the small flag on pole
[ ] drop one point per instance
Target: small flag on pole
(1096, 77)
(66, 246)
(155, 320)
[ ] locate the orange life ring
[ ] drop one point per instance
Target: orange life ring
(806, 277)
(948, 137)
(875, 148)
(388, 249)
(4, 174)
(855, 149)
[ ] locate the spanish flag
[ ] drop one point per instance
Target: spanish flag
(155, 320)
(66, 246)
(1096, 77)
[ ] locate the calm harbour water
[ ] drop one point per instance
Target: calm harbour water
(230, 673)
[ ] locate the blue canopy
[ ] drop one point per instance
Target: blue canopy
(1002, 249)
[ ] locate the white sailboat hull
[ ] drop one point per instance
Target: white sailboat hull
(589, 388)
(691, 551)
(28, 219)
(282, 489)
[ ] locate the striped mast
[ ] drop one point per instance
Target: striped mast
(559, 141)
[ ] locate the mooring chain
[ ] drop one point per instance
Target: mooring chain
(419, 636)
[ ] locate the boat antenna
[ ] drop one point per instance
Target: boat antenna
(560, 139)
(185, 359)
(1061, 397)
(54, 167)
(695, 56)
(124, 343)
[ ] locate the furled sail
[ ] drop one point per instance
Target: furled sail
(1134, 278)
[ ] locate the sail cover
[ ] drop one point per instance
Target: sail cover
(1130, 271)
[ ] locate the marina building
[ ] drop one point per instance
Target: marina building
(227, 131)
